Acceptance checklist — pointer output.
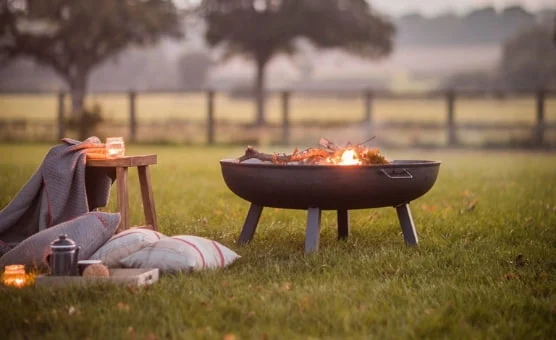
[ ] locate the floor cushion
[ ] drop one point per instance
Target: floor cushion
(124, 244)
(181, 253)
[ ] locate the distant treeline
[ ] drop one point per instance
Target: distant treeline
(480, 26)
(158, 67)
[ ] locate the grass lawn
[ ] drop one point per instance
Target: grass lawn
(462, 281)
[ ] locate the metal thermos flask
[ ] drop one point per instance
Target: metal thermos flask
(63, 257)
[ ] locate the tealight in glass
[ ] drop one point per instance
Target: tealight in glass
(115, 147)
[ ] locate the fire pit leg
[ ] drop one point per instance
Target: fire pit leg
(343, 224)
(312, 234)
(250, 224)
(406, 222)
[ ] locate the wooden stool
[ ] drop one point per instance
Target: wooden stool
(122, 164)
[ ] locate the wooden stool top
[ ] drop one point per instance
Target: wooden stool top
(125, 161)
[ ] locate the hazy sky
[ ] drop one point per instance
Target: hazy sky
(433, 7)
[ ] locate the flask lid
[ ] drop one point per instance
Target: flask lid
(63, 242)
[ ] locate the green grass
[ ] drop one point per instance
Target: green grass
(461, 282)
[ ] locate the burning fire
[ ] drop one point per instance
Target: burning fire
(329, 154)
(349, 157)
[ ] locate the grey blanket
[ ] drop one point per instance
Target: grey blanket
(62, 188)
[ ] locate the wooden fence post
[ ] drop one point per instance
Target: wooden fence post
(450, 123)
(285, 118)
(61, 124)
(538, 138)
(210, 117)
(368, 102)
(132, 117)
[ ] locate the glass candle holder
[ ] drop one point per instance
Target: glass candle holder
(14, 275)
(115, 147)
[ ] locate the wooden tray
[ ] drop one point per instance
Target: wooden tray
(124, 276)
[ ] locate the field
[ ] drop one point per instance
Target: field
(181, 118)
(484, 269)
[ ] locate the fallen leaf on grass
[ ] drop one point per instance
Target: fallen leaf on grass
(304, 304)
(429, 208)
(286, 286)
(151, 336)
(470, 206)
(512, 276)
(467, 193)
(542, 276)
(132, 289)
(229, 336)
(73, 311)
(122, 306)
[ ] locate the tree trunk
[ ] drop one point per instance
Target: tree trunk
(78, 87)
(260, 92)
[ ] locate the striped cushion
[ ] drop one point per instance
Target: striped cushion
(183, 253)
(125, 243)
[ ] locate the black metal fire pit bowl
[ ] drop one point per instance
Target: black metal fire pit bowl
(329, 187)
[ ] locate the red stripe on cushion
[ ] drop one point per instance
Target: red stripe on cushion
(194, 247)
(222, 264)
(102, 220)
(119, 236)
(149, 229)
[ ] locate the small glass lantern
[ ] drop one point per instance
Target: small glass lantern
(14, 275)
(115, 147)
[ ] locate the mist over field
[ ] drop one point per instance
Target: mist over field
(428, 50)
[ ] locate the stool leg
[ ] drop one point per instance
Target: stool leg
(123, 198)
(147, 196)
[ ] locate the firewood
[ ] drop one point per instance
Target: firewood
(280, 158)
(328, 144)
(331, 154)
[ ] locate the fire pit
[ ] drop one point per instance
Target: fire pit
(329, 187)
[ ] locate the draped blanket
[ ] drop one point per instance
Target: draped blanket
(61, 189)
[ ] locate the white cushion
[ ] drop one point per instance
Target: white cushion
(183, 253)
(125, 243)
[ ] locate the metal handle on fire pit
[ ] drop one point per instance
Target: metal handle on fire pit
(404, 175)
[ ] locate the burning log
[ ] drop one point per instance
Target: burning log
(331, 154)
(281, 158)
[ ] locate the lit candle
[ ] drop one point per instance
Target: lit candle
(115, 147)
(14, 275)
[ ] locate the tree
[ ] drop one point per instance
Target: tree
(261, 29)
(75, 36)
(529, 59)
(194, 68)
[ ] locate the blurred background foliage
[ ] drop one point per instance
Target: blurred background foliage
(460, 50)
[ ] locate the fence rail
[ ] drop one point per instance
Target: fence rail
(450, 125)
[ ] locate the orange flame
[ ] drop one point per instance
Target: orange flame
(349, 157)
